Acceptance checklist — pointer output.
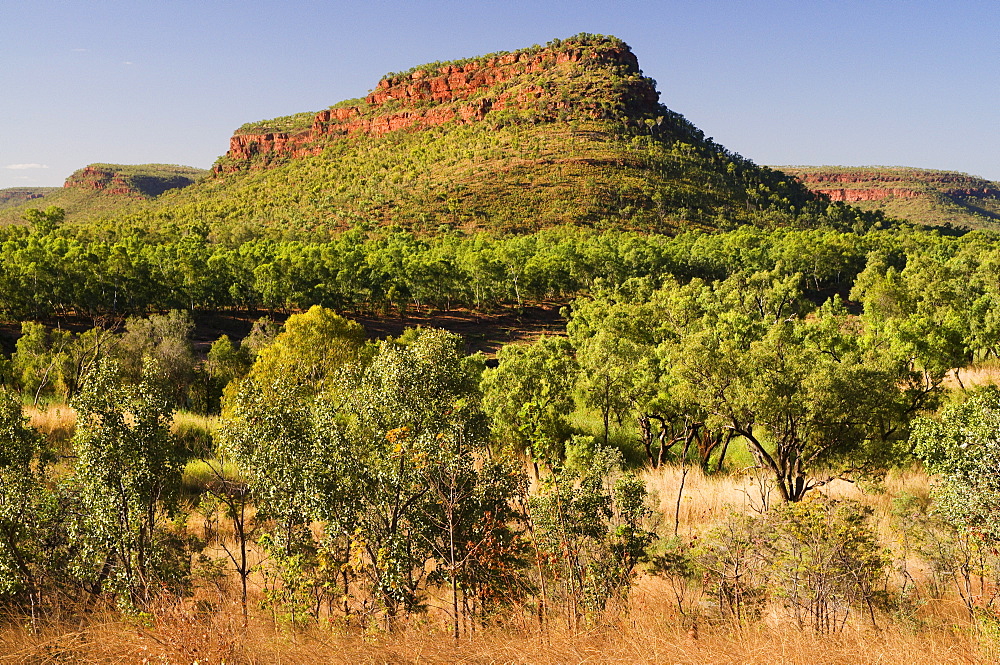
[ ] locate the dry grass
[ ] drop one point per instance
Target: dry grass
(979, 374)
(56, 422)
(650, 632)
(208, 629)
(707, 499)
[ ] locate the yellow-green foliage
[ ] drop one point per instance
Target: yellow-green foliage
(509, 178)
(311, 348)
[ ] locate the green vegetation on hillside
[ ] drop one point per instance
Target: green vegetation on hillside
(504, 178)
(103, 190)
(584, 41)
(289, 123)
(166, 171)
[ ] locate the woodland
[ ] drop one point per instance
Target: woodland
(767, 424)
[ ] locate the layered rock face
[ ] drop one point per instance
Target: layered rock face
(873, 184)
(100, 179)
(144, 181)
(460, 93)
(865, 194)
(922, 196)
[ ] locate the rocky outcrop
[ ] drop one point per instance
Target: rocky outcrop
(874, 184)
(140, 182)
(18, 195)
(100, 179)
(460, 93)
(922, 196)
(866, 194)
(457, 82)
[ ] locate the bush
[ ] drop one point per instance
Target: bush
(825, 560)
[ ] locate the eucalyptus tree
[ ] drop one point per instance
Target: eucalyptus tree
(22, 493)
(805, 394)
(529, 396)
(960, 537)
(127, 475)
(962, 449)
(417, 407)
(310, 351)
(589, 528)
(284, 429)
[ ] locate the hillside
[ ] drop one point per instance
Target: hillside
(921, 196)
(568, 133)
(100, 190)
(17, 196)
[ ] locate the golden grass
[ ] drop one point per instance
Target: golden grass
(707, 498)
(974, 376)
(56, 422)
(208, 628)
(649, 632)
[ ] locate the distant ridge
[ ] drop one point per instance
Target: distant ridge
(100, 189)
(15, 196)
(921, 196)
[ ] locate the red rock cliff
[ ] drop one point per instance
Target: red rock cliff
(133, 181)
(462, 93)
(101, 179)
(866, 194)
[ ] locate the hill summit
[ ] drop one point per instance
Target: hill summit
(509, 87)
(571, 132)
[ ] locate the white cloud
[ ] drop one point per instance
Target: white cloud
(25, 167)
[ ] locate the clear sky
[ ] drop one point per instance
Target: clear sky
(849, 82)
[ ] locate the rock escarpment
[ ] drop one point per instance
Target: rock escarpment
(874, 184)
(141, 181)
(919, 195)
(17, 195)
(596, 81)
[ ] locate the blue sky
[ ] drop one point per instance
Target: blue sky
(906, 82)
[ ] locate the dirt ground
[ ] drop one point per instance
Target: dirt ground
(482, 331)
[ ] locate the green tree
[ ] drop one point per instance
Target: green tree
(529, 396)
(22, 492)
(310, 350)
(802, 393)
(159, 347)
(40, 361)
(589, 528)
(963, 450)
(127, 474)
(419, 394)
(44, 221)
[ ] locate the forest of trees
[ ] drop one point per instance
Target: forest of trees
(47, 270)
(357, 478)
